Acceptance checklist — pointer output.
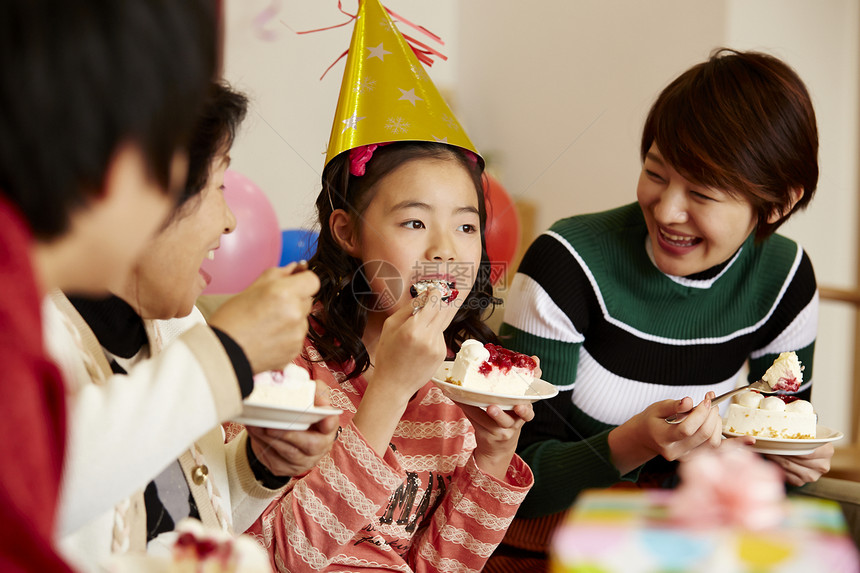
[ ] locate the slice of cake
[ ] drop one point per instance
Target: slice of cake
(771, 417)
(204, 550)
(291, 387)
(491, 368)
(449, 293)
(785, 373)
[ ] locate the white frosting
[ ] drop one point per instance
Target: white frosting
(195, 527)
(772, 403)
(749, 399)
(473, 351)
(799, 406)
(423, 285)
(290, 388)
(252, 557)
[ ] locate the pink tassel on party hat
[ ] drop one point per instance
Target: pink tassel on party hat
(421, 50)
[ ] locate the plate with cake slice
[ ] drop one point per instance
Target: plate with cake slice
(486, 374)
(283, 417)
(782, 424)
(283, 400)
(791, 446)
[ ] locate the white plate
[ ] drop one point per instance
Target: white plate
(539, 390)
(282, 418)
(785, 447)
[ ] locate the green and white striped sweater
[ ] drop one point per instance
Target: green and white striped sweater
(615, 334)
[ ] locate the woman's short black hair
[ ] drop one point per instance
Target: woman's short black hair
(79, 79)
(741, 122)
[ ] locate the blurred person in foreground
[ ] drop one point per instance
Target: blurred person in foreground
(148, 382)
(97, 99)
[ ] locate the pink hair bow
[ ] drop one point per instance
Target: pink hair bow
(359, 156)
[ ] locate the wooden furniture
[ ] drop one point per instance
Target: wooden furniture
(846, 461)
(843, 491)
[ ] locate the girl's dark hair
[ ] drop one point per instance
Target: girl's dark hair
(741, 122)
(213, 133)
(338, 322)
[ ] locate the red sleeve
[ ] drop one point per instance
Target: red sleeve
(32, 413)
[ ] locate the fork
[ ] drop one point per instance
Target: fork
(759, 385)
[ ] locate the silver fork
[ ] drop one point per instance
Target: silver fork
(759, 385)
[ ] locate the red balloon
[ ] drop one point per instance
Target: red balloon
(255, 244)
(502, 233)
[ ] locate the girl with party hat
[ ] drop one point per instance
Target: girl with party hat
(414, 482)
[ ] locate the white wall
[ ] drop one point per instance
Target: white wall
(554, 94)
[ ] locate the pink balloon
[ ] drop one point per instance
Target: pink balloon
(253, 247)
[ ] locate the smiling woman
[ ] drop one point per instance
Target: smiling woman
(691, 227)
(639, 312)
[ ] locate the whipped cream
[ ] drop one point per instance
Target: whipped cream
(785, 373)
(473, 352)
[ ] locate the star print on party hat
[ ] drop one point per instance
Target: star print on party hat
(386, 95)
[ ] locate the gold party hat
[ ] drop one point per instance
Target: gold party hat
(386, 95)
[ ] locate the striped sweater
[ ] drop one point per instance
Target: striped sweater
(615, 334)
(424, 506)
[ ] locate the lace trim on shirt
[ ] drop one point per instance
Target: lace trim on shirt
(347, 490)
(358, 449)
(429, 430)
(460, 537)
(321, 514)
(466, 506)
(432, 556)
(493, 488)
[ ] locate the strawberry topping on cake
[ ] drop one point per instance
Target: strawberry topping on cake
(491, 368)
(505, 359)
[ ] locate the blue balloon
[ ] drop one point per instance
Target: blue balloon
(297, 245)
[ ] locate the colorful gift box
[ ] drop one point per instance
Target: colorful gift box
(633, 531)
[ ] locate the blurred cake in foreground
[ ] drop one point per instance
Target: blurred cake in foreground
(201, 550)
(730, 514)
